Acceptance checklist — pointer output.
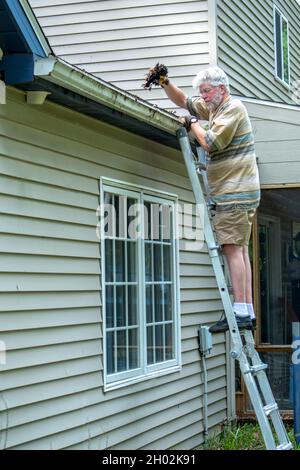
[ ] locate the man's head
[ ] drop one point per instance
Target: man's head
(213, 85)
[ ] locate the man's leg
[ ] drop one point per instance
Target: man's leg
(248, 290)
(249, 299)
(238, 274)
(237, 269)
(232, 233)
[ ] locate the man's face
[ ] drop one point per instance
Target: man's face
(212, 95)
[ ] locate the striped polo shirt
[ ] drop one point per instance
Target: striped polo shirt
(231, 162)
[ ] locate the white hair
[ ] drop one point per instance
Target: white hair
(213, 75)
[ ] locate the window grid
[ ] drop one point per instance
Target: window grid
(119, 337)
(120, 334)
(157, 351)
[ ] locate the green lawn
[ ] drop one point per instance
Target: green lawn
(242, 437)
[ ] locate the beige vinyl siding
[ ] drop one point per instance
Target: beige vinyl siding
(277, 142)
(51, 390)
(245, 41)
(118, 40)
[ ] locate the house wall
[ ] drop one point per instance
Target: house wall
(277, 142)
(245, 43)
(118, 40)
(52, 393)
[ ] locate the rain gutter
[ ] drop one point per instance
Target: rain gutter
(57, 71)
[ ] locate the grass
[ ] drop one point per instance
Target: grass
(242, 437)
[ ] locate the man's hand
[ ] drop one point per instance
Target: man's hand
(188, 120)
(157, 75)
(198, 131)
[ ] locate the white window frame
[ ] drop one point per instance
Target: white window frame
(282, 18)
(145, 372)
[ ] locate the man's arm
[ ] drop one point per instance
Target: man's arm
(199, 134)
(175, 94)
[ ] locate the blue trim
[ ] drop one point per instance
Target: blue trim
(18, 68)
(249, 195)
(24, 27)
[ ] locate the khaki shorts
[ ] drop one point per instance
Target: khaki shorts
(234, 227)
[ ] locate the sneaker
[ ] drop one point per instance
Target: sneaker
(243, 323)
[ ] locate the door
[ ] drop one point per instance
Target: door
(276, 289)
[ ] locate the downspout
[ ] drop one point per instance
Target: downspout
(59, 72)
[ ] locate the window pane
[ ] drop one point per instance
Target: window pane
(155, 209)
(132, 305)
(280, 376)
(116, 216)
(122, 217)
(121, 351)
(167, 262)
(278, 44)
(121, 305)
(134, 216)
(120, 261)
(147, 220)
(150, 346)
(149, 304)
(109, 294)
(108, 215)
(109, 265)
(148, 261)
(110, 347)
(133, 348)
(285, 51)
(158, 303)
(165, 222)
(157, 261)
(169, 341)
(131, 261)
(168, 302)
(159, 343)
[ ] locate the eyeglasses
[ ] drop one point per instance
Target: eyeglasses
(207, 91)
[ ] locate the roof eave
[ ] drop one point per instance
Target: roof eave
(63, 74)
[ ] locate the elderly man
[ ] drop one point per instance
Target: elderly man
(232, 175)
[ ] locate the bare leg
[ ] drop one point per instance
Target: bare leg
(248, 275)
(238, 273)
(237, 268)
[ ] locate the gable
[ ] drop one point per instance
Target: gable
(19, 43)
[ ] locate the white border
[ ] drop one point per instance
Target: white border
(168, 367)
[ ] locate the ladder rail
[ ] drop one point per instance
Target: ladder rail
(254, 375)
(265, 387)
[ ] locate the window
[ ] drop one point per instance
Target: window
(139, 285)
(281, 43)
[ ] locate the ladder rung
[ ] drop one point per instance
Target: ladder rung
(255, 369)
(270, 408)
(200, 166)
(214, 247)
(286, 446)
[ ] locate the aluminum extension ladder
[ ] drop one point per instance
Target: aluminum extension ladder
(251, 366)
